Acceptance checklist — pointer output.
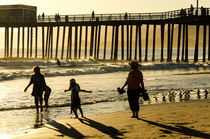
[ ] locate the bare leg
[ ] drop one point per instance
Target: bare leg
(36, 104)
(80, 109)
(75, 112)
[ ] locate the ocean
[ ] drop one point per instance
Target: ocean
(165, 83)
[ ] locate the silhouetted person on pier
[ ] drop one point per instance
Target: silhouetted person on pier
(43, 16)
(126, 16)
(39, 17)
(203, 11)
(135, 87)
(75, 99)
(93, 15)
(38, 81)
(191, 9)
(66, 18)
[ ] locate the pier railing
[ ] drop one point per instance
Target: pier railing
(125, 16)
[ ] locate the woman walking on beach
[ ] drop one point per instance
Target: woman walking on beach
(38, 81)
(75, 99)
(135, 86)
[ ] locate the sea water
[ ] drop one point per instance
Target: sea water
(165, 83)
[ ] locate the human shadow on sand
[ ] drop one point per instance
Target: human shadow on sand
(179, 128)
(111, 131)
(65, 131)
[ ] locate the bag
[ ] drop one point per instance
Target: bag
(144, 94)
(120, 91)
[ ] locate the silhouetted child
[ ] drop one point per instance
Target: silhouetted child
(47, 91)
(75, 99)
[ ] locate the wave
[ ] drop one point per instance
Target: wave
(11, 70)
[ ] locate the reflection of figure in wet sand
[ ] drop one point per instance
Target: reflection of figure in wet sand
(38, 81)
(38, 121)
(75, 99)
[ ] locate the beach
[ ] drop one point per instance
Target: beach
(165, 83)
(174, 120)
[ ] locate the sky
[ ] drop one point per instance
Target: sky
(68, 7)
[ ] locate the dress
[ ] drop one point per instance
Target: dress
(134, 88)
(38, 82)
(75, 100)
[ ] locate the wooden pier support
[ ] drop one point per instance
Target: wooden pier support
(179, 41)
(80, 41)
(209, 45)
(116, 43)
(186, 44)
(51, 42)
(136, 40)
(47, 42)
(36, 41)
(140, 59)
(18, 42)
(63, 42)
(162, 41)
(112, 45)
(28, 38)
(23, 41)
(154, 39)
(5, 42)
(69, 44)
(99, 40)
(169, 43)
(183, 41)
(204, 43)
(127, 54)
(91, 41)
(86, 37)
(11, 43)
(105, 41)
(43, 40)
(122, 42)
(131, 40)
(95, 46)
(146, 46)
(31, 42)
(75, 42)
(196, 44)
(57, 42)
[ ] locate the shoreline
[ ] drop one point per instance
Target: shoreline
(171, 120)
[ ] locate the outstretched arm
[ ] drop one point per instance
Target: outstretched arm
(82, 90)
(28, 86)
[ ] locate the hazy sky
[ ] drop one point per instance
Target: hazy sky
(106, 6)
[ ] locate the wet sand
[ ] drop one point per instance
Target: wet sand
(174, 120)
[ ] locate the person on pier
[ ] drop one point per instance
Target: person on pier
(135, 87)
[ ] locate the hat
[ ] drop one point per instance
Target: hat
(135, 63)
(72, 80)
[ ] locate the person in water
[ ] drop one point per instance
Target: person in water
(75, 99)
(38, 81)
(135, 87)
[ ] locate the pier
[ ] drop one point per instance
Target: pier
(110, 36)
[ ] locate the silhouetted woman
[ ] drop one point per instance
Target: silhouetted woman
(38, 81)
(135, 87)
